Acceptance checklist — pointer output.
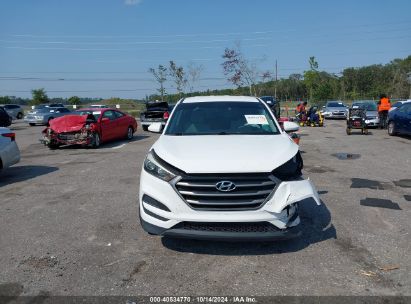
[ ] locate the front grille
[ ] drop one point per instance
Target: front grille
(228, 227)
(200, 192)
(70, 136)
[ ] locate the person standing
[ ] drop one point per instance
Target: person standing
(384, 105)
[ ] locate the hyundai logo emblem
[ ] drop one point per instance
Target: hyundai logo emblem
(225, 186)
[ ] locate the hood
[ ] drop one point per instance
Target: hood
(226, 153)
(68, 123)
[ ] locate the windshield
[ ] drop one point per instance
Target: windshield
(335, 105)
(96, 114)
(221, 118)
(369, 106)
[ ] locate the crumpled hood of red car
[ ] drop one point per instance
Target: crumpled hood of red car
(68, 123)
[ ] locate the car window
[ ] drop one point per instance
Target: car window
(406, 108)
(63, 110)
(110, 114)
(118, 114)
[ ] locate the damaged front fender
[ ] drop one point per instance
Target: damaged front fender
(288, 193)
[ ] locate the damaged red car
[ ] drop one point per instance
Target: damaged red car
(89, 128)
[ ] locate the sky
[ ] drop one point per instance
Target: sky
(104, 48)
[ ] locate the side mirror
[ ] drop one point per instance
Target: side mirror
(105, 120)
(290, 126)
(155, 127)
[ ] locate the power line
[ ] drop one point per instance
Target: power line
(260, 32)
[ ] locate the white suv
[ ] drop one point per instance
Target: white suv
(223, 169)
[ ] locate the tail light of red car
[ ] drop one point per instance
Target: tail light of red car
(166, 115)
(12, 136)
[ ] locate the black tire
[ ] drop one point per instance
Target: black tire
(53, 146)
(96, 141)
(391, 128)
(20, 115)
(145, 127)
(32, 124)
(130, 133)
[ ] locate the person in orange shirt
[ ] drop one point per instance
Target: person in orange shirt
(384, 105)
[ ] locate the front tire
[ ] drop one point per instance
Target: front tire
(130, 133)
(145, 127)
(20, 115)
(391, 128)
(96, 141)
(32, 124)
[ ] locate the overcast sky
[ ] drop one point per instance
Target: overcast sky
(104, 48)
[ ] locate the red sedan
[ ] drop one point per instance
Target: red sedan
(89, 127)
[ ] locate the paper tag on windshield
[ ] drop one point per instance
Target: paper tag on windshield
(256, 119)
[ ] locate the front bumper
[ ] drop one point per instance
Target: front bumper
(35, 121)
(81, 139)
(167, 218)
(332, 115)
(375, 122)
(149, 122)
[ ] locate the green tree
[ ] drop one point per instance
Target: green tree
(39, 96)
(5, 100)
(239, 70)
(160, 74)
(74, 100)
(178, 75)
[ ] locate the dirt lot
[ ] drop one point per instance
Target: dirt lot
(69, 225)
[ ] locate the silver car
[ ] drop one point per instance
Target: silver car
(15, 111)
(42, 116)
(370, 106)
(9, 151)
(335, 109)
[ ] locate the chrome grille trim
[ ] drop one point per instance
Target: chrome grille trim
(200, 193)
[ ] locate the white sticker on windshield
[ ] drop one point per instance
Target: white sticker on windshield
(96, 112)
(256, 119)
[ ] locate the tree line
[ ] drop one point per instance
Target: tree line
(368, 82)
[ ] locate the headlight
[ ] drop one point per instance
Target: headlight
(153, 167)
(291, 170)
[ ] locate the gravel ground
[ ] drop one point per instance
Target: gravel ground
(69, 225)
